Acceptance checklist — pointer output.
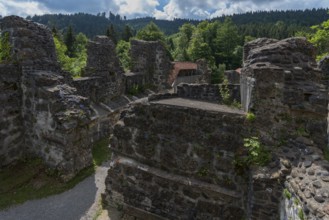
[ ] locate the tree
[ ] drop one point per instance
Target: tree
(187, 29)
(183, 41)
(127, 33)
(122, 50)
(110, 32)
(180, 54)
(78, 60)
(111, 16)
(199, 49)
(69, 41)
(151, 32)
(320, 39)
(227, 40)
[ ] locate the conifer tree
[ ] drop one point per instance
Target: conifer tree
(69, 40)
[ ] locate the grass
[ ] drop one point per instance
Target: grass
(31, 179)
(326, 154)
(101, 152)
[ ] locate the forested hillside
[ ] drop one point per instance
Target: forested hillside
(277, 24)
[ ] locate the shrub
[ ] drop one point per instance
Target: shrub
(5, 47)
(257, 155)
(250, 117)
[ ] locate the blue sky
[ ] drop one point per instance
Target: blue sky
(162, 9)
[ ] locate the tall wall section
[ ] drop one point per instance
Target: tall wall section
(152, 59)
(54, 119)
(11, 123)
(103, 74)
(289, 97)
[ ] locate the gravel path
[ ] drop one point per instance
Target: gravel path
(81, 202)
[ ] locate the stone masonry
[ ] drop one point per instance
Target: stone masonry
(103, 79)
(48, 118)
(11, 123)
(288, 95)
(177, 162)
(152, 59)
(165, 149)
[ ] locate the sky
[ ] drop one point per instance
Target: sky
(161, 9)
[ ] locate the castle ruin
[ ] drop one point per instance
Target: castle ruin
(175, 155)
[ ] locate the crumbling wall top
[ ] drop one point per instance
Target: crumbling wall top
(32, 43)
(102, 59)
(287, 52)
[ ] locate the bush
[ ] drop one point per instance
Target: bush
(250, 117)
(257, 155)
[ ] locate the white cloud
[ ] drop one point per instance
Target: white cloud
(212, 8)
(196, 9)
(132, 8)
(22, 8)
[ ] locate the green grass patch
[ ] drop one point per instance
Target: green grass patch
(32, 179)
(101, 151)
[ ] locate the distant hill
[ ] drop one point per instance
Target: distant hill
(257, 24)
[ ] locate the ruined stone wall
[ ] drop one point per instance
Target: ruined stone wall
(177, 163)
(288, 95)
(134, 80)
(56, 122)
(54, 119)
(289, 91)
(11, 123)
(151, 59)
(208, 92)
(87, 87)
(103, 63)
(32, 43)
(232, 76)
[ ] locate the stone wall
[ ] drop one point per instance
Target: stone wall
(47, 117)
(11, 124)
(232, 76)
(134, 81)
(88, 86)
(32, 43)
(56, 122)
(103, 63)
(289, 91)
(170, 163)
(207, 92)
(155, 144)
(288, 95)
(151, 59)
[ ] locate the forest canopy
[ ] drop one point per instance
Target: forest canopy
(219, 40)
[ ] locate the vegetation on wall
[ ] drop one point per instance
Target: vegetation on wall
(123, 50)
(257, 154)
(5, 47)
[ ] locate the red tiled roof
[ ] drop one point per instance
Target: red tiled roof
(178, 66)
(238, 70)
